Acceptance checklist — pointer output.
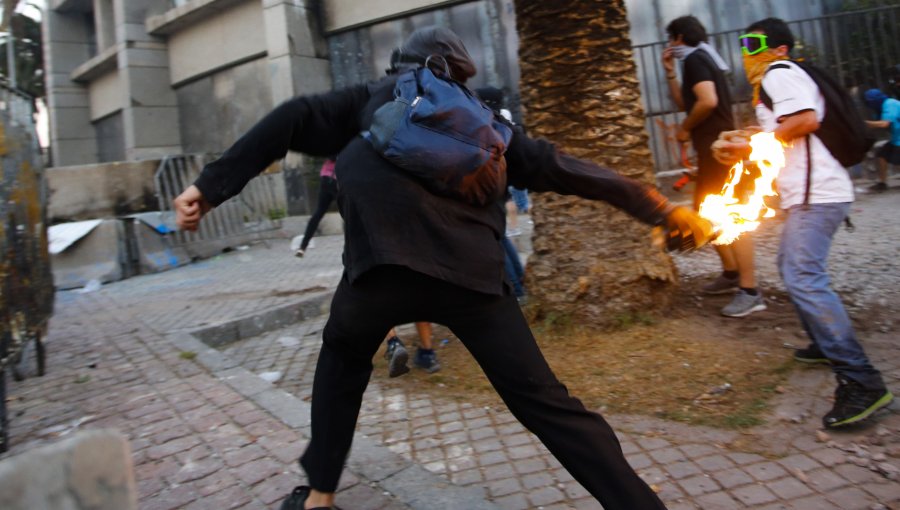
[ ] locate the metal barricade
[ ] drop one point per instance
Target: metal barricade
(257, 209)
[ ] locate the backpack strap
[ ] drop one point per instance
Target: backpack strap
(407, 86)
(808, 173)
(763, 96)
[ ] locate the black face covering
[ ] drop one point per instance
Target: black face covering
(437, 46)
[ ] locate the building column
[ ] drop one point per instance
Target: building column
(68, 42)
(298, 65)
(150, 113)
(297, 51)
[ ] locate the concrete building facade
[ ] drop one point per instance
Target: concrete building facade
(135, 80)
(142, 79)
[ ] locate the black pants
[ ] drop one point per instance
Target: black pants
(327, 194)
(495, 332)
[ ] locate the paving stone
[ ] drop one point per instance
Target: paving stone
(503, 487)
(535, 480)
(856, 474)
(714, 463)
(717, 501)
(545, 496)
(753, 495)
(816, 502)
(825, 480)
(851, 498)
(789, 488)
(667, 455)
(697, 485)
(679, 470)
(639, 461)
(799, 461)
(765, 471)
(256, 471)
(512, 502)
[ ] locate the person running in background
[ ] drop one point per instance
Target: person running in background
(705, 96)
(327, 193)
(888, 111)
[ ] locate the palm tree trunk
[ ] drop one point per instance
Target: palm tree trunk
(592, 264)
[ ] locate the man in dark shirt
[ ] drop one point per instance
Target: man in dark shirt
(411, 255)
(704, 95)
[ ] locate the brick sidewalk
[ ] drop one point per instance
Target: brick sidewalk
(207, 433)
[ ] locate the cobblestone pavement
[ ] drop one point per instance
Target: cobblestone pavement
(208, 432)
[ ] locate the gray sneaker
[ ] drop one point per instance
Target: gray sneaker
(744, 304)
(397, 357)
(721, 285)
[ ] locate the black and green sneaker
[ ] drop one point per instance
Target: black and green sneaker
(853, 403)
(811, 355)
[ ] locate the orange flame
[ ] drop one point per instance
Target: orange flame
(729, 215)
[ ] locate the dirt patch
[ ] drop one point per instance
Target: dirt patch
(689, 365)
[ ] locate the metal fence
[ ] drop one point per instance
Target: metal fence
(860, 48)
(257, 209)
(26, 283)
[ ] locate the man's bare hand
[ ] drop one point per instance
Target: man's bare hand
(190, 206)
(732, 146)
(668, 60)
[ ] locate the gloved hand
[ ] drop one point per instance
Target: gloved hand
(686, 230)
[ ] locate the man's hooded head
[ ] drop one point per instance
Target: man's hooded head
(436, 45)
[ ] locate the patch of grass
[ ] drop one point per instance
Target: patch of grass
(673, 366)
(277, 213)
(187, 354)
(556, 321)
(627, 320)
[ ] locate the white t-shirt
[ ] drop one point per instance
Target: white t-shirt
(793, 91)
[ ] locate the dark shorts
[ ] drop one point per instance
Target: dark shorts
(889, 153)
(711, 178)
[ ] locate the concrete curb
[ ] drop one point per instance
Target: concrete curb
(377, 465)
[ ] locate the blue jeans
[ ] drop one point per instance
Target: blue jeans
(514, 270)
(520, 198)
(802, 261)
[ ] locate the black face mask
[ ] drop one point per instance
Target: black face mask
(402, 62)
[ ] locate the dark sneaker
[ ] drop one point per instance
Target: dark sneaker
(397, 357)
(426, 359)
(744, 304)
(721, 285)
(854, 403)
(811, 355)
(297, 498)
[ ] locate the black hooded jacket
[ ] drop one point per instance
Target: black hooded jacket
(390, 218)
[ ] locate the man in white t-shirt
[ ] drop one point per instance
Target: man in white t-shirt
(816, 193)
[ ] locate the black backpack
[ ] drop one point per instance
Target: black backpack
(843, 130)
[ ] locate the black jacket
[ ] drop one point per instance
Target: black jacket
(390, 218)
